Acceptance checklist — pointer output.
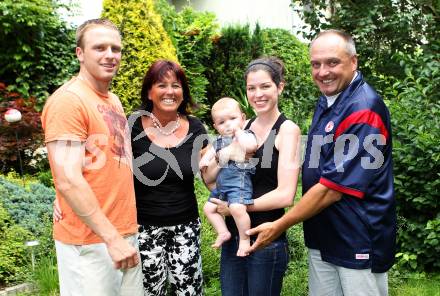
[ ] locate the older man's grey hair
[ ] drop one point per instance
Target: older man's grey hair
(350, 47)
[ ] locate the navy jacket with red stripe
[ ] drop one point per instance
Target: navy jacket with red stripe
(349, 150)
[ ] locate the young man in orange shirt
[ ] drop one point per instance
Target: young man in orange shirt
(87, 137)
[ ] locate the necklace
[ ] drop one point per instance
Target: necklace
(166, 131)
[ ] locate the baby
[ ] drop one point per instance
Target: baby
(233, 183)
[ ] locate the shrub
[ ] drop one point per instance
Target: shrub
(13, 254)
(45, 178)
(233, 50)
(192, 33)
(415, 110)
(30, 206)
(144, 41)
(29, 132)
(37, 50)
(300, 94)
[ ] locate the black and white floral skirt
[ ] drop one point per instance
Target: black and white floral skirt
(171, 259)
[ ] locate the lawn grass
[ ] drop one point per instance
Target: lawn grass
(415, 284)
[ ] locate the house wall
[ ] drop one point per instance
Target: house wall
(268, 13)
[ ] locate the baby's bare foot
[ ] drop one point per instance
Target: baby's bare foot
(221, 238)
(243, 247)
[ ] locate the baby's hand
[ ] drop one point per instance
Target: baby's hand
(231, 152)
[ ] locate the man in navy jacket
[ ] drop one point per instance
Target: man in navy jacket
(348, 204)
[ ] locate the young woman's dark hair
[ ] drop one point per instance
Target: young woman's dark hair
(272, 65)
(157, 71)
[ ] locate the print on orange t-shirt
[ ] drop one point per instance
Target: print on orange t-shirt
(77, 112)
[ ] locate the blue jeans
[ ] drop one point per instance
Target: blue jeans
(259, 274)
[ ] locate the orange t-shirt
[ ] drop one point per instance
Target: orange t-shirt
(77, 112)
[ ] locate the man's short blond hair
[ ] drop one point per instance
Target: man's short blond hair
(82, 29)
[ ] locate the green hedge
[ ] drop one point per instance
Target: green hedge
(233, 50)
(191, 33)
(300, 94)
(14, 257)
(37, 48)
(415, 112)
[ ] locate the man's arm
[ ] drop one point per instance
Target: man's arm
(67, 161)
(314, 201)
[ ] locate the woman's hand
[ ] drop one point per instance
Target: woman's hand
(222, 206)
(57, 214)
